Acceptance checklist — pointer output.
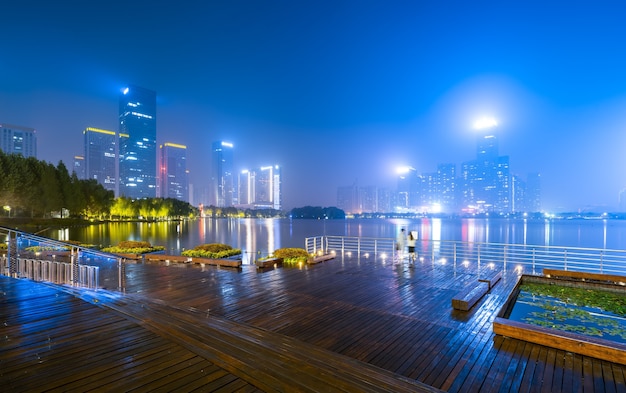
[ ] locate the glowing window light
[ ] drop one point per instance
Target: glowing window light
(485, 122)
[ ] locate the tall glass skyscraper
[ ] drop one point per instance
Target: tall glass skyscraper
(137, 143)
(222, 178)
(173, 172)
(100, 156)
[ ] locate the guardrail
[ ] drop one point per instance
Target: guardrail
(527, 258)
(56, 261)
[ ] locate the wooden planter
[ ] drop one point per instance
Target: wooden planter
(269, 262)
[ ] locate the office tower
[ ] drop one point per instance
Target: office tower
(348, 198)
(137, 143)
(368, 199)
(446, 187)
(100, 156)
(384, 200)
(408, 189)
(246, 188)
(222, 181)
(267, 188)
(173, 171)
(486, 180)
(18, 140)
(533, 192)
(79, 167)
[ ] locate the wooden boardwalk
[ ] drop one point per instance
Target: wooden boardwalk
(343, 325)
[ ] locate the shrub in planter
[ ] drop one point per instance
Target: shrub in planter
(133, 247)
(212, 251)
(291, 255)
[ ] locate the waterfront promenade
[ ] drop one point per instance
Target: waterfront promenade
(349, 324)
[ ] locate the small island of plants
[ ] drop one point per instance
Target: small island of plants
(133, 247)
(291, 256)
(212, 251)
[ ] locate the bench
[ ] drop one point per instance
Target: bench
(491, 278)
(465, 300)
(584, 275)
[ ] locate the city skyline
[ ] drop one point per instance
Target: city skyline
(335, 91)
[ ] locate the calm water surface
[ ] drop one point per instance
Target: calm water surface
(265, 235)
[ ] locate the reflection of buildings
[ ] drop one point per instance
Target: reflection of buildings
(172, 178)
(260, 188)
(222, 181)
(100, 156)
(18, 140)
(137, 143)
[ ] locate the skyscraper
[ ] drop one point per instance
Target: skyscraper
(173, 171)
(137, 143)
(18, 140)
(222, 178)
(100, 156)
(260, 188)
(79, 167)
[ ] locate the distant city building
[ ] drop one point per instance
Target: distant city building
(446, 187)
(368, 199)
(533, 192)
(486, 180)
(79, 167)
(100, 156)
(348, 198)
(172, 178)
(222, 178)
(137, 143)
(18, 140)
(260, 188)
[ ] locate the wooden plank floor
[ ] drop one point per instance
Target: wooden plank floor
(363, 324)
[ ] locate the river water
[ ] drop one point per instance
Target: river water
(265, 235)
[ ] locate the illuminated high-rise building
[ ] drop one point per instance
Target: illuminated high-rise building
(79, 167)
(173, 177)
(100, 156)
(18, 140)
(446, 187)
(137, 143)
(260, 188)
(222, 178)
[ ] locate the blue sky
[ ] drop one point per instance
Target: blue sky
(335, 92)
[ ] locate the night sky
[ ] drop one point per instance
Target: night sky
(335, 91)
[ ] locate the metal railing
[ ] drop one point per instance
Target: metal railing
(527, 258)
(55, 261)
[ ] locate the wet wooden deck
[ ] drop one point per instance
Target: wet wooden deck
(342, 325)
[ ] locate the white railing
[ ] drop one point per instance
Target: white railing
(529, 258)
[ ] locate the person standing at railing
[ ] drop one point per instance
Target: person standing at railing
(400, 244)
(411, 240)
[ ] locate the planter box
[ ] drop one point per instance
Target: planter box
(218, 262)
(269, 262)
(320, 258)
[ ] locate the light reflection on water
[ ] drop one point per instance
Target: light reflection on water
(262, 236)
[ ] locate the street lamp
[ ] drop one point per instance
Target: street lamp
(8, 209)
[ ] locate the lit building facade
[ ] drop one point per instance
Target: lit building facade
(79, 167)
(173, 177)
(18, 140)
(222, 179)
(137, 143)
(100, 156)
(260, 188)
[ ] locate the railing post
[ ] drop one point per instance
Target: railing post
(601, 260)
(479, 258)
(565, 260)
(533, 261)
(504, 258)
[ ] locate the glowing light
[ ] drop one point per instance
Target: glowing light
(402, 170)
(466, 263)
(485, 122)
(227, 144)
(125, 90)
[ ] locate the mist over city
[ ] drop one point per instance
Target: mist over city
(336, 94)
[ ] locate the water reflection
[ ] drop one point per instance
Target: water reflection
(263, 236)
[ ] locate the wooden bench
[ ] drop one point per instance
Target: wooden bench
(465, 300)
(491, 277)
(584, 275)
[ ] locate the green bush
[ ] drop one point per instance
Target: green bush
(291, 255)
(133, 247)
(212, 251)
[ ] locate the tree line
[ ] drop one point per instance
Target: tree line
(33, 188)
